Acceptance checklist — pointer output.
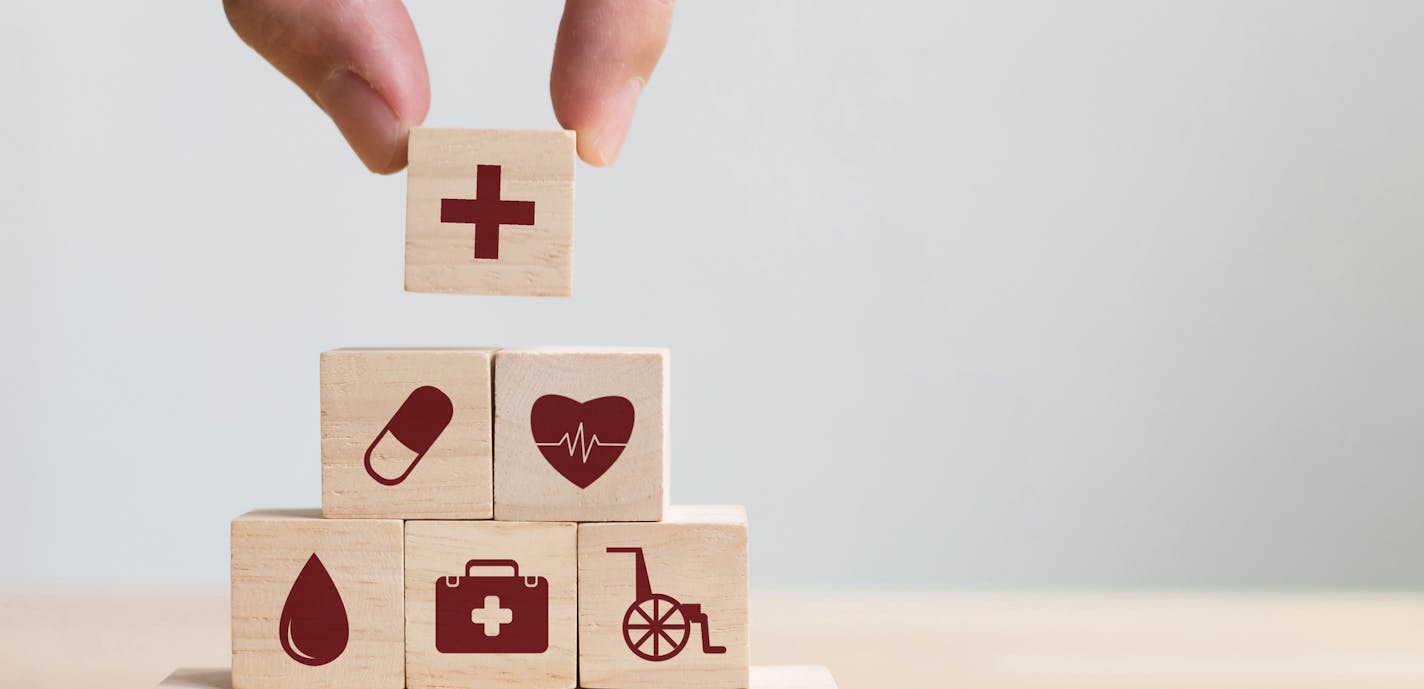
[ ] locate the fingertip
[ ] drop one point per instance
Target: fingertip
(605, 54)
(367, 121)
(360, 60)
(600, 145)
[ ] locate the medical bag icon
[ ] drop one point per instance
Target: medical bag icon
(491, 614)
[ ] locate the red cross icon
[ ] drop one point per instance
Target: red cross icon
(491, 616)
(487, 211)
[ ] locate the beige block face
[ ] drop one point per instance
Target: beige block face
(316, 603)
(471, 621)
(504, 228)
(381, 408)
(581, 434)
(696, 557)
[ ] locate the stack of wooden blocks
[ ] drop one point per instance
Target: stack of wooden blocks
(494, 518)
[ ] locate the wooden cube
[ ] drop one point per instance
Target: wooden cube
(490, 211)
(581, 434)
(762, 677)
(317, 603)
(663, 605)
(491, 605)
(406, 433)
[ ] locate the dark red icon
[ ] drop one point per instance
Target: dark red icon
(313, 628)
(416, 424)
(487, 211)
(491, 614)
(656, 626)
(581, 440)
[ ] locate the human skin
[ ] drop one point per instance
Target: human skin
(361, 62)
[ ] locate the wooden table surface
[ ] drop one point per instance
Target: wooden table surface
(869, 640)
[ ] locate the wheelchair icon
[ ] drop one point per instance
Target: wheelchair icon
(656, 626)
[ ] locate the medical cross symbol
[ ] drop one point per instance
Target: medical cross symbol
(487, 211)
(491, 615)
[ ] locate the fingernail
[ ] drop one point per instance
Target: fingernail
(608, 139)
(364, 118)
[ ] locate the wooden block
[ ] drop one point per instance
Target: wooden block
(490, 211)
(405, 433)
(581, 434)
(762, 677)
(694, 561)
(491, 605)
(317, 603)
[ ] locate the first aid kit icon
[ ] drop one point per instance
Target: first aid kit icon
(491, 613)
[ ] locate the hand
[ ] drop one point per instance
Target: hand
(360, 60)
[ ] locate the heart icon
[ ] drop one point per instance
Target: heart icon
(581, 440)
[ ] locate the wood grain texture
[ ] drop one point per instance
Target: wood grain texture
(439, 549)
(535, 166)
(364, 558)
(527, 487)
(763, 677)
(870, 639)
(696, 555)
(360, 391)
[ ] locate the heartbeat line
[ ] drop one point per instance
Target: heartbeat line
(584, 445)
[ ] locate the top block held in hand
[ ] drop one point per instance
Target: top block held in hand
(490, 211)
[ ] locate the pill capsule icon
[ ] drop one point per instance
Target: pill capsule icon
(421, 418)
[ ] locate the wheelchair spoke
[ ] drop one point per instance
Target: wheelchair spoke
(664, 635)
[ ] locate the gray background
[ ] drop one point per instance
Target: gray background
(962, 294)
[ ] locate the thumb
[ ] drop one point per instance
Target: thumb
(605, 54)
(360, 60)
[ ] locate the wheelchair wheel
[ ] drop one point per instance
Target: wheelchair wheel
(655, 628)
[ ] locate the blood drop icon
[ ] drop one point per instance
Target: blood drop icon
(314, 629)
